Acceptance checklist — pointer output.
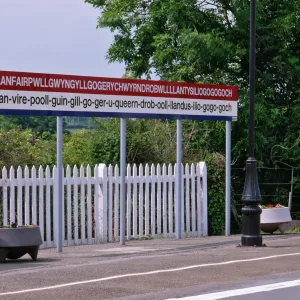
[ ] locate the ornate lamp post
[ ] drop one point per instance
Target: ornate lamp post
(251, 194)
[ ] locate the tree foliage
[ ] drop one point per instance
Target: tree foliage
(24, 147)
(208, 41)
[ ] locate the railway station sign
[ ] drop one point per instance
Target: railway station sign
(68, 95)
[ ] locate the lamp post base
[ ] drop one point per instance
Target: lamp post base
(251, 226)
(250, 240)
(251, 211)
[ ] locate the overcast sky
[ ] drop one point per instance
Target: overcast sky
(54, 36)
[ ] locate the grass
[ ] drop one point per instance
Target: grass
(296, 230)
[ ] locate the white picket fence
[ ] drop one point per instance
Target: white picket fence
(91, 202)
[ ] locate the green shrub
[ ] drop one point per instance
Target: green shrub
(216, 194)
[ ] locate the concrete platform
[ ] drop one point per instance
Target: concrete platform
(151, 269)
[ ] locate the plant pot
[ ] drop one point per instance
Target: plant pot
(271, 219)
(16, 242)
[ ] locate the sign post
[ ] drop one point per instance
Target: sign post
(228, 179)
(178, 183)
(122, 183)
(59, 196)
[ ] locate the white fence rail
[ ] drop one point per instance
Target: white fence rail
(91, 207)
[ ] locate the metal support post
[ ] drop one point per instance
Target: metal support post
(251, 195)
(122, 175)
(178, 180)
(59, 184)
(228, 178)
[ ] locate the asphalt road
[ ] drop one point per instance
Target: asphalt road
(156, 269)
(259, 291)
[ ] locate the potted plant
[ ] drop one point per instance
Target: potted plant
(16, 241)
(273, 217)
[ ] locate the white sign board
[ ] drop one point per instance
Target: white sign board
(54, 95)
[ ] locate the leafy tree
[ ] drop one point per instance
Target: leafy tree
(208, 41)
(141, 142)
(76, 148)
(23, 147)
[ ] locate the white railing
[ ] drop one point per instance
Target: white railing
(91, 202)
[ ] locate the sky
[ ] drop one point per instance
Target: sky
(54, 36)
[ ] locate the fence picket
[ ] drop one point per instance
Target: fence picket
(64, 241)
(27, 184)
(103, 203)
(187, 199)
(96, 205)
(158, 198)
(203, 174)
(5, 204)
(69, 206)
(182, 202)
(20, 196)
(128, 216)
(75, 207)
(193, 200)
(170, 198)
(199, 229)
(110, 203)
(41, 205)
(165, 208)
(153, 206)
(54, 202)
(33, 195)
(12, 195)
(147, 180)
(134, 201)
(82, 205)
(48, 210)
(141, 200)
(89, 205)
(116, 204)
